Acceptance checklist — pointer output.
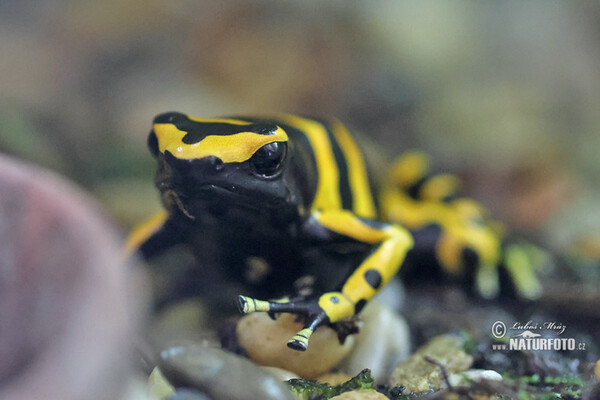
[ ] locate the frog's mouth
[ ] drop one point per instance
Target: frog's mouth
(172, 200)
(232, 196)
(208, 199)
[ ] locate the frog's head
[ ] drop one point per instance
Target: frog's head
(212, 165)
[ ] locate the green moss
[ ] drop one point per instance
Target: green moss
(469, 345)
(533, 387)
(309, 389)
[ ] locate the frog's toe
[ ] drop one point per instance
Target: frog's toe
(249, 305)
(299, 341)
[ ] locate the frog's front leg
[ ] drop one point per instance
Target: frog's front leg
(390, 245)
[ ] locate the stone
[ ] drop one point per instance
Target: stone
(184, 321)
(419, 375)
(188, 394)
(158, 385)
(334, 378)
(466, 378)
(265, 341)
(361, 394)
(280, 373)
(219, 374)
(383, 341)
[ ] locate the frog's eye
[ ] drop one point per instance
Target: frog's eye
(268, 159)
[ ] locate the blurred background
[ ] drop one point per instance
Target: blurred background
(505, 94)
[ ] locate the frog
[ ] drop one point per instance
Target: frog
(297, 193)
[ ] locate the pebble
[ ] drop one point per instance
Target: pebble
(473, 375)
(334, 378)
(361, 394)
(383, 341)
(219, 374)
(183, 321)
(418, 375)
(265, 341)
(280, 373)
(158, 385)
(188, 394)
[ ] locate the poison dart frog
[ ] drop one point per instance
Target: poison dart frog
(295, 193)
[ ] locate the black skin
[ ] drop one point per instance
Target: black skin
(227, 212)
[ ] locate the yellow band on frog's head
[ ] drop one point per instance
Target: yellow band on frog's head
(230, 140)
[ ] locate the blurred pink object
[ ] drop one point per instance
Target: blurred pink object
(65, 311)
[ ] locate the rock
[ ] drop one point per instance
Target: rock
(280, 373)
(265, 341)
(158, 385)
(419, 375)
(392, 296)
(473, 375)
(188, 394)
(334, 378)
(361, 394)
(597, 370)
(184, 321)
(219, 374)
(383, 341)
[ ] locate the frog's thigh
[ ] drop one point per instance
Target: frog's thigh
(391, 243)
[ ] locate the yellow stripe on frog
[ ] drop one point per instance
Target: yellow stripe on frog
(328, 193)
(238, 147)
(363, 204)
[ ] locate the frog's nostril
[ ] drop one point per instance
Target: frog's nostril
(217, 163)
(209, 164)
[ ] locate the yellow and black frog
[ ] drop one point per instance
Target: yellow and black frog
(294, 193)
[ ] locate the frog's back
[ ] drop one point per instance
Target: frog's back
(330, 165)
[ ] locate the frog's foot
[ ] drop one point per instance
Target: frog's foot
(311, 311)
(317, 312)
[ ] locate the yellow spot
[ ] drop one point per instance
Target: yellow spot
(342, 307)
